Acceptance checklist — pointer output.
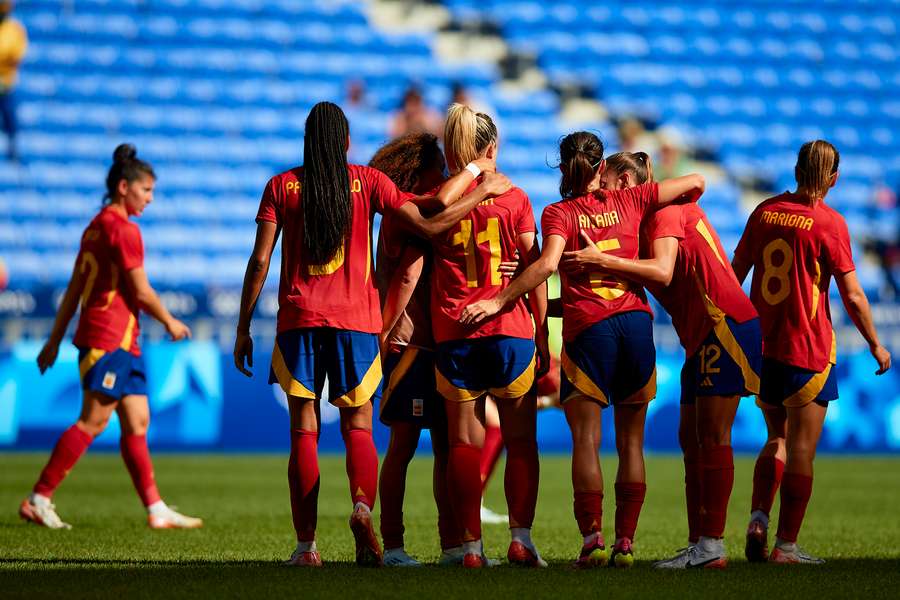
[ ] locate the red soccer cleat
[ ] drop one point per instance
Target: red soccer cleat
(593, 554)
(474, 561)
(305, 559)
(368, 550)
(756, 548)
(523, 556)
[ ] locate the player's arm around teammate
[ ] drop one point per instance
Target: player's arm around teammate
(795, 243)
(112, 286)
(682, 263)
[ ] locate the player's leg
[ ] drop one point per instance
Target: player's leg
(518, 419)
(303, 478)
(583, 415)
(804, 428)
(392, 488)
(448, 526)
(767, 475)
(362, 474)
(96, 409)
(490, 456)
(465, 429)
(631, 486)
(690, 448)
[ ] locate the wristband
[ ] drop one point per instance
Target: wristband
(473, 169)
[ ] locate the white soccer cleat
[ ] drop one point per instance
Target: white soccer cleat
(679, 561)
(790, 554)
(168, 518)
(397, 557)
(41, 513)
(491, 518)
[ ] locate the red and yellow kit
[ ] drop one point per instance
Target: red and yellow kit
(795, 249)
(110, 246)
(612, 220)
(466, 261)
(704, 289)
(340, 294)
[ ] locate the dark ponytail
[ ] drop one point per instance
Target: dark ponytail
(327, 211)
(126, 165)
(580, 154)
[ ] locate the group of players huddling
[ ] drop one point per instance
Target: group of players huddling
(456, 315)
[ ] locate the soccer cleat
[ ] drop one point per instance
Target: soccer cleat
(756, 549)
(169, 518)
(593, 554)
(304, 559)
(491, 518)
(791, 554)
(368, 550)
(472, 560)
(622, 555)
(523, 556)
(679, 561)
(451, 557)
(397, 557)
(41, 514)
(702, 556)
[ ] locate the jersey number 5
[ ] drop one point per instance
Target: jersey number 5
(775, 283)
(489, 235)
(604, 285)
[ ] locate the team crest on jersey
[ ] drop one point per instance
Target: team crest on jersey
(418, 407)
(109, 380)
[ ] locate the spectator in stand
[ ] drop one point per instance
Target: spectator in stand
(415, 116)
(634, 138)
(13, 43)
(672, 161)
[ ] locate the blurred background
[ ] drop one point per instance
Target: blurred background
(214, 93)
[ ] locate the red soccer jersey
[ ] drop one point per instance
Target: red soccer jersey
(795, 248)
(414, 325)
(704, 289)
(110, 247)
(466, 259)
(341, 293)
(612, 219)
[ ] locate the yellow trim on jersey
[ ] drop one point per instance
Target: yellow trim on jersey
(815, 291)
(286, 380)
(519, 386)
(734, 350)
(407, 358)
(581, 380)
(645, 394)
(453, 393)
(833, 358)
(90, 359)
(364, 391)
(128, 338)
(704, 231)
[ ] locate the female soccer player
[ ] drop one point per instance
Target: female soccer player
(497, 357)
(795, 244)
(608, 354)
(111, 285)
(329, 316)
(683, 264)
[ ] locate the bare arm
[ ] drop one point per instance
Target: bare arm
(857, 306)
(493, 184)
(537, 301)
(453, 188)
(536, 274)
(401, 288)
(254, 279)
(687, 188)
(657, 270)
(67, 307)
(152, 305)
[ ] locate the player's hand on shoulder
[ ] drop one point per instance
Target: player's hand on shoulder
(47, 355)
(883, 357)
(495, 184)
(243, 352)
(178, 330)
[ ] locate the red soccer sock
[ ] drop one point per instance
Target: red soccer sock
(629, 500)
(391, 488)
(465, 489)
(303, 480)
(766, 479)
(717, 480)
(362, 466)
(490, 454)
(521, 481)
(589, 512)
(795, 493)
(692, 493)
(137, 460)
(448, 528)
(69, 448)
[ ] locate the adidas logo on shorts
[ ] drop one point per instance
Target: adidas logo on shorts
(707, 382)
(109, 380)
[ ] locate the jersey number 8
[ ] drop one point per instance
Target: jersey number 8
(776, 274)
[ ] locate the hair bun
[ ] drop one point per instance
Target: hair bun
(124, 152)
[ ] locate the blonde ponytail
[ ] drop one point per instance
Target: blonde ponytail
(817, 162)
(466, 135)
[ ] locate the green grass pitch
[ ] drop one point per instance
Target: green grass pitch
(852, 521)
